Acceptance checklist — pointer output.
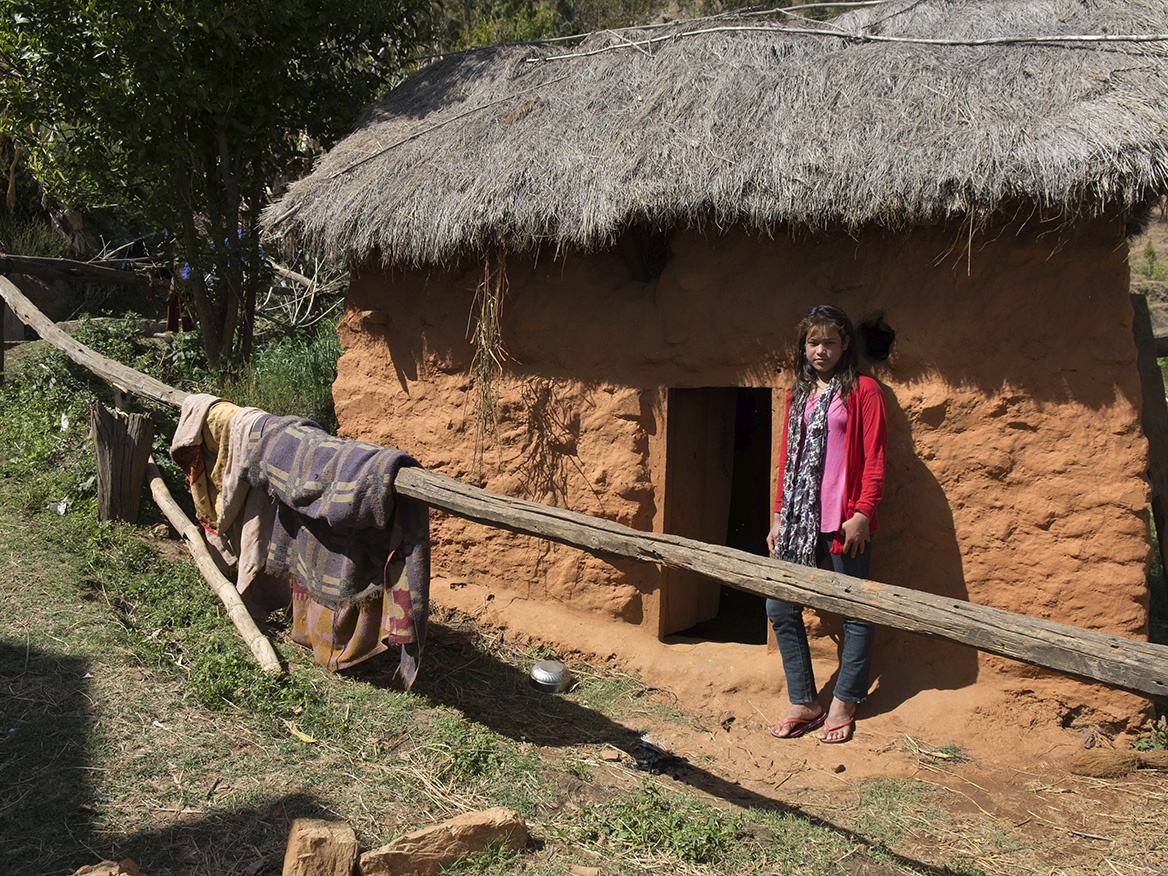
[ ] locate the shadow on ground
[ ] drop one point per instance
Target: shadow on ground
(458, 674)
(51, 809)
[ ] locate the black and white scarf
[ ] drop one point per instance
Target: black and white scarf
(803, 478)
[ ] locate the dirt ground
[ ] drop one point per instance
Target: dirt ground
(1000, 766)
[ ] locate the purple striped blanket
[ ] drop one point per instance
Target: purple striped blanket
(338, 520)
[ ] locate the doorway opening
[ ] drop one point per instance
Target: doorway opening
(717, 490)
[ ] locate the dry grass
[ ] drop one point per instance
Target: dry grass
(486, 335)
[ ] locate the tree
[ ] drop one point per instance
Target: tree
(187, 112)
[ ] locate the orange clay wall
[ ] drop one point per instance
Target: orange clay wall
(1016, 459)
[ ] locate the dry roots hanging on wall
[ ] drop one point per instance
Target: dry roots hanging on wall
(486, 334)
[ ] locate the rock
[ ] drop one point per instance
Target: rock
(110, 868)
(320, 848)
(611, 755)
(427, 851)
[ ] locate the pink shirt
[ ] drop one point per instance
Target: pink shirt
(832, 488)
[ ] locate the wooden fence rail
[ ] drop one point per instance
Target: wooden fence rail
(73, 271)
(1127, 664)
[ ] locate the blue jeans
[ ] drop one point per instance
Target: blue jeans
(791, 634)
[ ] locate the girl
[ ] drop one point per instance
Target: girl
(831, 478)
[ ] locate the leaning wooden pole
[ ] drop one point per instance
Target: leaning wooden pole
(1127, 664)
(121, 376)
(225, 589)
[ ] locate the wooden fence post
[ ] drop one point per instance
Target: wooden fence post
(121, 447)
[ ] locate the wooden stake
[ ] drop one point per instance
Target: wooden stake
(121, 448)
(255, 640)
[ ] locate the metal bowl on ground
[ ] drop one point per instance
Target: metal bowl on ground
(550, 676)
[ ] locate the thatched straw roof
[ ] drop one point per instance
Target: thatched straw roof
(748, 120)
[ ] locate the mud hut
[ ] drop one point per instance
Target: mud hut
(576, 269)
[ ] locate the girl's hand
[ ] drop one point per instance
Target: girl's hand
(773, 536)
(855, 533)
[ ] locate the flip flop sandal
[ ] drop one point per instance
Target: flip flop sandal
(831, 728)
(798, 727)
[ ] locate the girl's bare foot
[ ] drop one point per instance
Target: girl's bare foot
(841, 722)
(800, 719)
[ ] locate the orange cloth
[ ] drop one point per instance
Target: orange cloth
(342, 637)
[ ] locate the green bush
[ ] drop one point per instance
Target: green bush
(31, 236)
(44, 438)
(1157, 738)
(292, 375)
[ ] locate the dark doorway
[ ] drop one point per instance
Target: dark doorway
(717, 490)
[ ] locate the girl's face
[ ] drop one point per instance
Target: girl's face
(824, 348)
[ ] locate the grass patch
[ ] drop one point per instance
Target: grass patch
(474, 760)
(890, 808)
(44, 451)
(782, 842)
(652, 825)
(225, 676)
(291, 376)
(492, 861)
(928, 755)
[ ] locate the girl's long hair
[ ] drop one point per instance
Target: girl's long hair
(848, 369)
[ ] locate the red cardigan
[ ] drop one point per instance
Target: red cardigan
(865, 440)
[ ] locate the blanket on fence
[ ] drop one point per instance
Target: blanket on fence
(246, 519)
(339, 523)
